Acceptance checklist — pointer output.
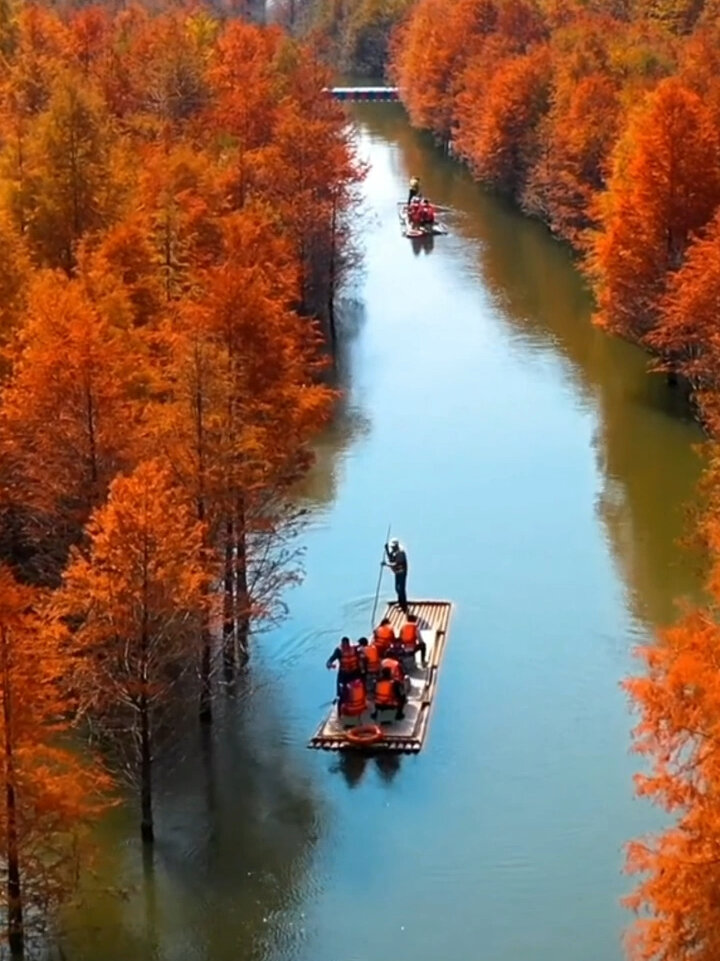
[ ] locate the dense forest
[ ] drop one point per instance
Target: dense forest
(604, 121)
(174, 199)
(353, 37)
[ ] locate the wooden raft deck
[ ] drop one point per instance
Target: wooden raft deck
(406, 736)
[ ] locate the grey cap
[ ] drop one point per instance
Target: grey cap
(394, 542)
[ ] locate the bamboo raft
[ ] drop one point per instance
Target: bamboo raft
(408, 735)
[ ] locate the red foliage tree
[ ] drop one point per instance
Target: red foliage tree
(655, 201)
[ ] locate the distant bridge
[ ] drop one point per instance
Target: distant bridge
(363, 93)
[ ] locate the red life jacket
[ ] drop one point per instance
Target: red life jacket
(384, 636)
(385, 693)
(355, 701)
(349, 661)
(372, 658)
(409, 635)
(395, 668)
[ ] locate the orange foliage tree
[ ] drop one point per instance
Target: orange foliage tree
(49, 792)
(134, 600)
(437, 42)
(67, 409)
(686, 336)
(679, 731)
(246, 406)
(501, 141)
(656, 200)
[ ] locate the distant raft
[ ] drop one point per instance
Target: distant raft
(408, 735)
(424, 230)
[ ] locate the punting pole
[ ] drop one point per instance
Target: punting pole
(377, 590)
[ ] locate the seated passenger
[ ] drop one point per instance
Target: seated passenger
(411, 640)
(389, 694)
(369, 662)
(352, 701)
(395, 667)
(384, 636)
(427, 212)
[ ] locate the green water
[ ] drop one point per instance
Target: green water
(537, 475)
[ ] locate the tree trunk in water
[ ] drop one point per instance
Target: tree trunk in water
(332, 276)
(229, 606)
(241, 582)
(16, 935)
(146, 823)
(205, 666)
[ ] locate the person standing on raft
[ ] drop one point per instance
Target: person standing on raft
(414, 190)
(397, 562)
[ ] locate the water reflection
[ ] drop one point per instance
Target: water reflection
(349, 422)
(237, 821)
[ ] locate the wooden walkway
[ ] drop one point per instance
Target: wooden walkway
(361, 94)
(406, 736)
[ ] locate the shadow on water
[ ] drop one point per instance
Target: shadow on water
(353, 766)
(423, 245)
(645, 436)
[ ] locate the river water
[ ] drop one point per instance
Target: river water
(538, 477)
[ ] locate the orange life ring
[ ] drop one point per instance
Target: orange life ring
(365, 734)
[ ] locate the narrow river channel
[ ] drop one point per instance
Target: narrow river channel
(537, 475)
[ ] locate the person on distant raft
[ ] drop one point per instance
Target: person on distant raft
(427, 212)
(397, 562)
(414, 189)
(414, 212)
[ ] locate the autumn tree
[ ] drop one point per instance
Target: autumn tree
(656, 200)
(72, 186)
(438, 42)
(678, 700)
(686, 336)
(50, 793)
(133, 600)
(501, 141)
(274, 406)
(67, 410)
(570, 172)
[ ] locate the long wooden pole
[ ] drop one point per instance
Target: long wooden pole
(377, 590)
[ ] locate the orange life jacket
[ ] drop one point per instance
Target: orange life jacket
(385, 693)
(349, 661)
(372, 658)
(384, 636)
(409, 635)
(395, 668)
(355, 699)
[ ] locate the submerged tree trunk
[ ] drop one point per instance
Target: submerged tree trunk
(229, 659)
(241, 582)
(146, 813)
(332, 275)
(205, 669)
(147, 831)
(16, 934)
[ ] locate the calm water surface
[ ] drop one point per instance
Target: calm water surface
(537, 476)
